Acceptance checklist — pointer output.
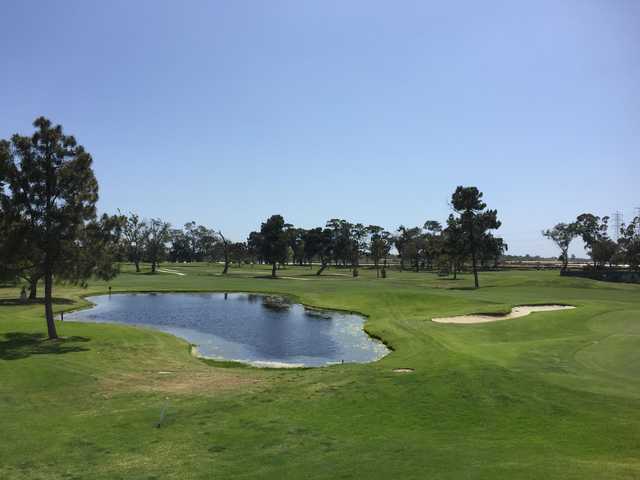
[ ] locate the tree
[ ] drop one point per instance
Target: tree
(296, 239)
(48, 200)
(629, 242)
(491, 249)
(592, 229)
(432, 242)
(157, 235)
(318, 243)
(238, 252)
(400, 241)
(379, 245)
(254, 246)
(226, 251)
(455, 247)
(180, 249)
(476, 221)
(603, 251)
(133, 233)
(407, 242)
(357, 245)
(562, 235)
(274, 242)
(342, 243)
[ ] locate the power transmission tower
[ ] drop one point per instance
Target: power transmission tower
(617, 223)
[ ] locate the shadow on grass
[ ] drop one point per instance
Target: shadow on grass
(17, 345)
(16, 302)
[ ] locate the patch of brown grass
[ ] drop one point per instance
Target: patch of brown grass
(208, 381)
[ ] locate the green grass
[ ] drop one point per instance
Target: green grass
(551, 395)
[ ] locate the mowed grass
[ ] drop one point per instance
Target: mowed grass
(551, 395)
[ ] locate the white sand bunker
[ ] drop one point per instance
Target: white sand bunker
(516, 312)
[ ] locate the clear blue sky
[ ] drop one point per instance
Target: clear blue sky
(225, 112)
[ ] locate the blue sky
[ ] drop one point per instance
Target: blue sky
(225, 112)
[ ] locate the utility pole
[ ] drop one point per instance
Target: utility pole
(617, 223)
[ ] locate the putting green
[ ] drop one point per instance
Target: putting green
(555, 394)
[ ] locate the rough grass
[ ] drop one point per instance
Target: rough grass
(550, 395)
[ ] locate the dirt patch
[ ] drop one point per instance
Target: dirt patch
(516, 312)
(187, 382)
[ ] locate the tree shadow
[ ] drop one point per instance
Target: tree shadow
(17, 345)
(16, 302)
(471, 287)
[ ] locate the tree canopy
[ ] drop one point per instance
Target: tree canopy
(48, 204)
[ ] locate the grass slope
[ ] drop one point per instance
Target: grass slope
(550, 395)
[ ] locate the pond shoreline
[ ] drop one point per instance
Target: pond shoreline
(210, 324)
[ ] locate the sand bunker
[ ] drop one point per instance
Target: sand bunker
(516, 312)
(403, 370)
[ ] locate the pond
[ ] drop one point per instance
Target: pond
(255, 329)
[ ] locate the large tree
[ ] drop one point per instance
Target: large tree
(629, 242)
(603, 251)
(562, 235)
(274, 242)
(400, 241)
(407, 242)
(48, 201)
(225, 246)
(454, 246)
(358, 245)
(476, 221)
(157, 235)
(379, 245)
(318, 242)
(592, 229)
(432, 242)
(254, 246)
(134, 237)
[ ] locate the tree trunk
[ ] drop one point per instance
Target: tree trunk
(33, 289)
(473, 252)
(226, 263)
(48, 304)
(137, 264)
(323, 266)
(273, 270)
(475, 268)
(153, 266)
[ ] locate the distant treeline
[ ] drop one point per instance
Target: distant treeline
(603, 250)
(465, 238)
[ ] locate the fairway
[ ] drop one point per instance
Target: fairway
(553, 394)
